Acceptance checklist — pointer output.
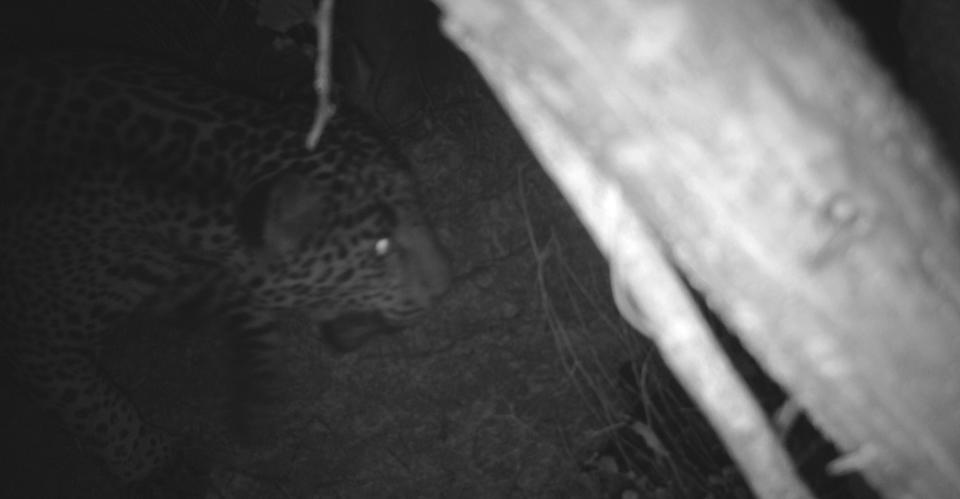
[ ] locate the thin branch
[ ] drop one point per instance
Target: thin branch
(322, 82)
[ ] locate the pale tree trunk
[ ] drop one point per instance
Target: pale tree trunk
(751, 147)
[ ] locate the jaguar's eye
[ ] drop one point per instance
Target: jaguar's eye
(382, 247)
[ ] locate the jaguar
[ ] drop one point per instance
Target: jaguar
(125, 179)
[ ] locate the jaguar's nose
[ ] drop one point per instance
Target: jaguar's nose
(436, 279)
(427, 264)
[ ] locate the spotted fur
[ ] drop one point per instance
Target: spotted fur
(123, 179)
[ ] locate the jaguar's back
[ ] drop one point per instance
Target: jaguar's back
(123, 176)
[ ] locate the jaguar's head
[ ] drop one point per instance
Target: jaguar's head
(351, 248)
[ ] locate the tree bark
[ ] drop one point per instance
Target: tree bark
(753, 148)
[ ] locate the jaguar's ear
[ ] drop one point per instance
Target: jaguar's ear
(294, 208)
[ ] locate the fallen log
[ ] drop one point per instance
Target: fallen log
(751, 149)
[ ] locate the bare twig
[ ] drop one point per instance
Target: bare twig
(322, 81)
